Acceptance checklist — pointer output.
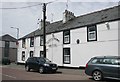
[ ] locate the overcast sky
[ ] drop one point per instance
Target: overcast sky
(26, 19)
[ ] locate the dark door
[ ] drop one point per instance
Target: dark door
(6, 50)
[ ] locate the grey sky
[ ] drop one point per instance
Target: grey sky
(26, 19)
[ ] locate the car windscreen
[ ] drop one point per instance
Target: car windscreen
(47, 60)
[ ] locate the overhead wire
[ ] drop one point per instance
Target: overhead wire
(23, 7)
(27, 6)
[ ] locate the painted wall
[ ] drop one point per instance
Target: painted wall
(55, 48)
(106, 44)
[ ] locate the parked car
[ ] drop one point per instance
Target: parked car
(41, 64)
(5, 61)
(104, 67)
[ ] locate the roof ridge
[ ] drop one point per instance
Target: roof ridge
(98, 11)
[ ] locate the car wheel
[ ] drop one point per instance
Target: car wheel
(97, 75)
(27, 68)
(41, 70)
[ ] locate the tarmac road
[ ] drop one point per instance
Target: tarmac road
(18, 73)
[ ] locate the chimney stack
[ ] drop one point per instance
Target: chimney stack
(67, 15)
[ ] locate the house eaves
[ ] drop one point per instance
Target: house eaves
(7, 37)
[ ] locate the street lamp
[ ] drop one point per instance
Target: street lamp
(17, 32)
(17, 41)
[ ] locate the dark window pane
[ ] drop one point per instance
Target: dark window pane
(31, 41)
(66, 55)
(23, 56)
(23, 43)
(92, 33)
(31, 53)
(92, 28)
(66, 36)
(66, 33)
(41, 40)
(41, 54)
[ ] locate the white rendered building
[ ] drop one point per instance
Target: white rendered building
(72, 41)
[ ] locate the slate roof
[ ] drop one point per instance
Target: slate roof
(7, 37)
(97, 17)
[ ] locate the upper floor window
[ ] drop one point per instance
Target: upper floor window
(31, 41)
(41, 40)
(23, 43)
(66, 37)
(92, 33)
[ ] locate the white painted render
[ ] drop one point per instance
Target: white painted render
(106, 44)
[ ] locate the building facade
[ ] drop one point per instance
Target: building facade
(8, 47)
(72, 41)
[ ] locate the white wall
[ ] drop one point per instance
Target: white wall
(107, 44)
(55, 53)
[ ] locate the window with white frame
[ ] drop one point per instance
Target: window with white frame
(92, 33)
(31, 41)
(41, 40)
(66, 55)
(23, 43)
(41, 53)
(66, 37)
(23, 55)
(31, 53)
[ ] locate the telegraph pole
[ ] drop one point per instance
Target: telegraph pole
(44, 29)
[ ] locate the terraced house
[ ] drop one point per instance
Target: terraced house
(72, 41)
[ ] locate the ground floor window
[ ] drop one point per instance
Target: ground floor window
(31, 53)
(23, 55)
(41, 54)
(66, 55)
